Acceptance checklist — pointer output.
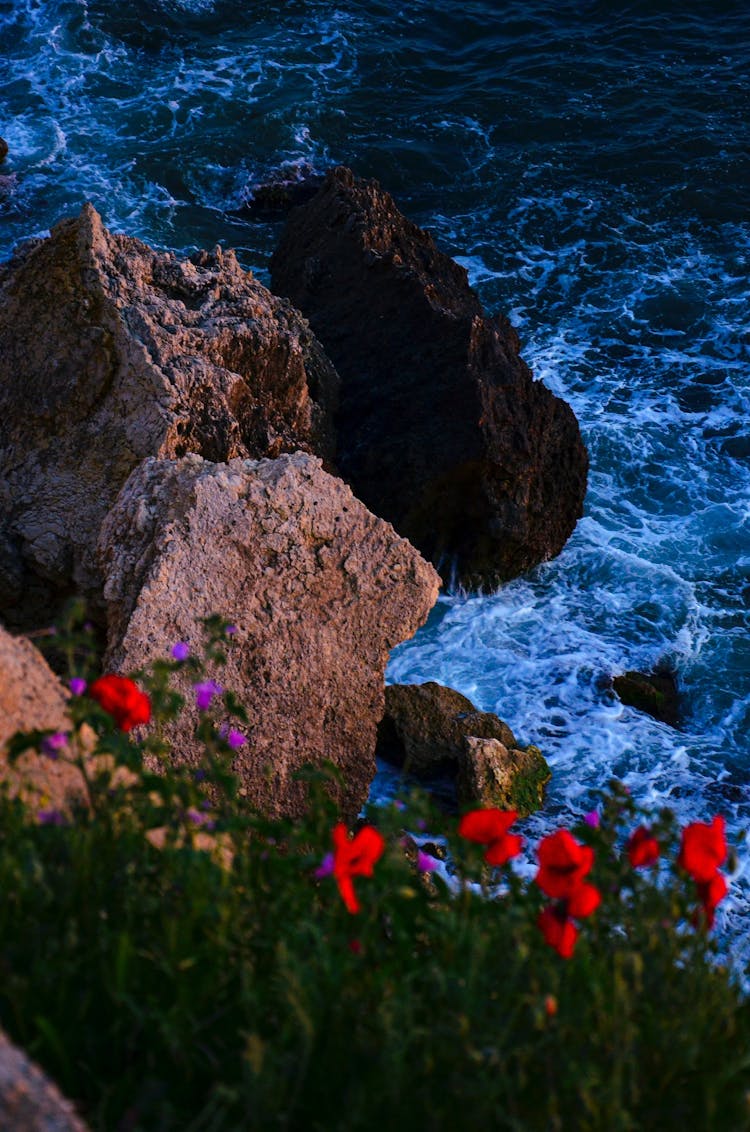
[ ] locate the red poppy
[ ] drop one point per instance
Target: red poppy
(703, 849)
(563, 863)
(642, 848)
(490, 828)
(122, 699)
(711, 895)
(583, 901)
(558, 931)
(352, 857)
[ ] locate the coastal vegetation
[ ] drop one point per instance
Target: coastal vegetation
(176, 960)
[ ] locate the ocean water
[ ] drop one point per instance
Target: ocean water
(589, 163)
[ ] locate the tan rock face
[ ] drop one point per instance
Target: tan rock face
(320, 590)
(29, 1102)
(32, 698)
(491, 775)
(111, 352)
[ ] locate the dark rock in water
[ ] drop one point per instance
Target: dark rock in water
(424, 726)
(429, 729)
(655, 693)
(111, 352)
(442, 429)
(281, 194)
(3, 149)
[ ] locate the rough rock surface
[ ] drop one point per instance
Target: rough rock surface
(655, 693)
(489, 775)
(3, 149)
(320, 591)
(29, 1102)
(33, 699)
(429, 729)
(111, 352)
(442, 429)
(425, 724)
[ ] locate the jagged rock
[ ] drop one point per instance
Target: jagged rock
(291, 187)
(320, 591)
(29, 1101)
(33, 699)
(111, 352)
(442, 429)
(424, 726)
(491, 775)
(655, 693)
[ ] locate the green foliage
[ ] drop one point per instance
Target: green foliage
(205, 979)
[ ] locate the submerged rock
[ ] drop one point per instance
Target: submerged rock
(320, 591)
(111, 352)
(429, 729)
(442, 429)
(655, 693)
(3, 149)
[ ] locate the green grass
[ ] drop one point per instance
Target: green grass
(165, 991)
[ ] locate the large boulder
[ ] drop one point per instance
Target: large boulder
(33, 699)
(442, 429)
(111, 352)
(320, 591)
(29, 1101)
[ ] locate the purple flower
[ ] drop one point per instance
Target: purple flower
(50, 817)
(197, 818)
(230, 630)
(181, 651)
(77, 685)
(205, 692)
(53, 744)
(235, 739)
(593, 818)
(199, 775)
(426, 863)
(325, 868)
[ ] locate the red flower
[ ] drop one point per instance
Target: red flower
(711, 895)
(563, 863)
(354, 857)
(643, 849)
(490, 828)
(558, 931)
(125, 702)
(703, 849)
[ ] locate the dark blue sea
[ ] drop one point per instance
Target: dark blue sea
(589, 163)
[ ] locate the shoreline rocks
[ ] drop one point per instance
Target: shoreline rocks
(655, 693)
(431, 730)
(111, 352)
(320, 590)
(442, 429)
